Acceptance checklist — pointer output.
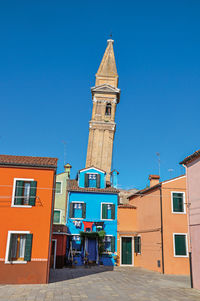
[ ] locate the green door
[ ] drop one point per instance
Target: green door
(127, 250)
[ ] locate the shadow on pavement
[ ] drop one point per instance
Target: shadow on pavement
(77, 272)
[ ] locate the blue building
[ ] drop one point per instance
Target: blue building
(92, 219)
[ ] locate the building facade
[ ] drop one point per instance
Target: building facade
(156, 237)
(105, 97)
(59, 240)
(192, 164)
(92, 219)
(26, 218)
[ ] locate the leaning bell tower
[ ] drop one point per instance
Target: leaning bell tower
(105, 97)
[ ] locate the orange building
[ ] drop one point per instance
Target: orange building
(26, 216)
(158, 237)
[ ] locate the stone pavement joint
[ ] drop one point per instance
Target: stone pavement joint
(101, 283)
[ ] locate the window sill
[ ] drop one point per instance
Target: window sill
(22, 206)
(178, 212)
(77, 218)
(181, 256)
(15, 262)
(108, 219)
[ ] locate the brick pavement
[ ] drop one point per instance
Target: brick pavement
(99, 283)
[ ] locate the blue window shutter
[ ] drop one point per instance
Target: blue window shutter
(71, 210)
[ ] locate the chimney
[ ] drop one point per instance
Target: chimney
(114, 175)
(154, 180)
(67, 168)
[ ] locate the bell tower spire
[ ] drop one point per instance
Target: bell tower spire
(105, 97)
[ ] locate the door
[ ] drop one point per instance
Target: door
(53, 254)
(126, 251)
(92, 249)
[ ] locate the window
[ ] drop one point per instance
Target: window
(24, 192)
(137, 244)
(180, 245)
(57, 216)
(77, 210)
(19, 247)
(58, 187)
(92, 180)
(76, 243)
(109, 243)
(108, 211)
(108, 109)
(178, 202)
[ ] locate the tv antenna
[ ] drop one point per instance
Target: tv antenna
(158, 155)
(64, 142)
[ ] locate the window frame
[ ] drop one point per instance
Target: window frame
(186, 242)
(8, 247)
(140, 244)
(61, 187)
(172, 203)
(60, 216)
(92, 173)
(77, 202)
(13, 193)
(110, 235)
(107, 219)
(76, 252)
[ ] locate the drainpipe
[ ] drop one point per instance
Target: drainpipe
(161, 221)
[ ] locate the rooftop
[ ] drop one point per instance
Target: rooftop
(28, 161)
(73, 186)
(192, 157)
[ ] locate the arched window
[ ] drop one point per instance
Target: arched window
(108, 109)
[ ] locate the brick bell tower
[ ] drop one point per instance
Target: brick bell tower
(105, 97)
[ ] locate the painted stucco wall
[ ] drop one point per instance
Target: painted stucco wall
(93, 214)
(148, 226)
(174, 223)
(36, 219)
(60, 198)
(81, 182)
(193, 185)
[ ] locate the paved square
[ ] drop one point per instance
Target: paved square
(100, 283)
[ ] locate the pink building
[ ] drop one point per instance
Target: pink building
(192, 164)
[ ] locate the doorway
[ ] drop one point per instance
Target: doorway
(53, 254)
(126, 251)
(92, 249)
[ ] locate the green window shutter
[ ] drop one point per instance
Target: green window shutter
(19, 192)
(178, 205)
(98, 180)
(180, 245)
(86, 180)
(113, 244)
(11, 246)
(137, 244)
(33, 193)
(113, 211)
(56, 216)
(71, 210)
(83, 210)
(104, 211)
(28, 247)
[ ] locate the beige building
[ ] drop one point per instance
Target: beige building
(105, 97)
(60, 196)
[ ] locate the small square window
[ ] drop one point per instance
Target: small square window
(180, 245)
(58, 187)
(20, 246)
(178, 202)
(56, 217)
(25, 192)
(108, 211)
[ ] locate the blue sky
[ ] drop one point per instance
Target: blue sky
(49, 54)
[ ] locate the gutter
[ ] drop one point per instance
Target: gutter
(161, 230)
